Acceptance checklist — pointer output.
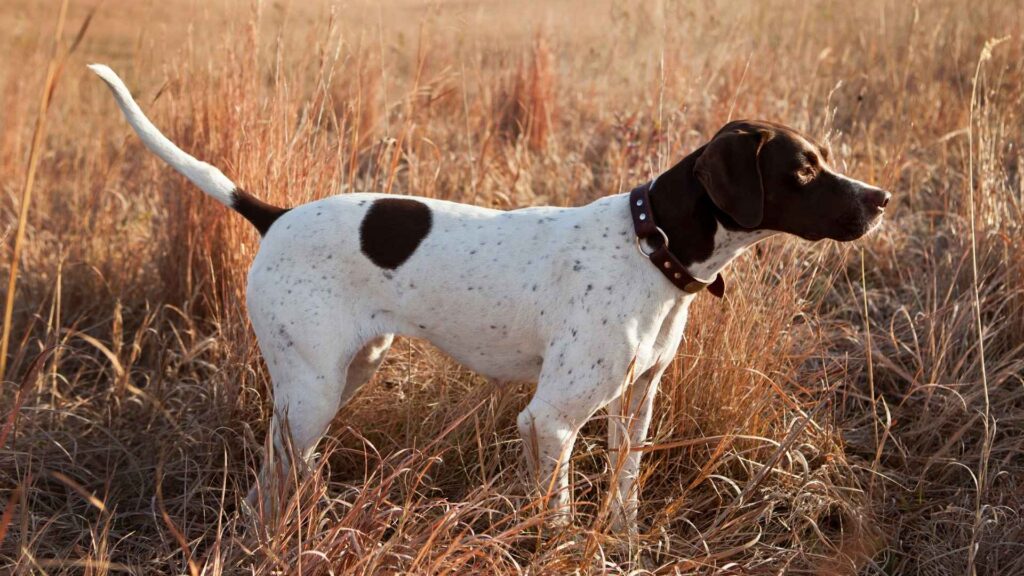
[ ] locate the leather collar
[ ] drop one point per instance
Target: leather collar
(648, 231)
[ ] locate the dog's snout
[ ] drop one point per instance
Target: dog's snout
(877, 198)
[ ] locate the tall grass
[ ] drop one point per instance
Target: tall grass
(52, 71)
(831, 415)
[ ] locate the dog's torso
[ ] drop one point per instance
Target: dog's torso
(498, 291)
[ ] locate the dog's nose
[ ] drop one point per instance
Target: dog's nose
(878, 198)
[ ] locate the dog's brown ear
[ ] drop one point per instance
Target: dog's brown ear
(730, 170)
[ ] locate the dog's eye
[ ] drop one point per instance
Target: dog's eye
(806, 173)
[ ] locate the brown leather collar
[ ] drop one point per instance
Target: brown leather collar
(648, 231)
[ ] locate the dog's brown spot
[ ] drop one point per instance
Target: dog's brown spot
(392, 230)
(256, 211)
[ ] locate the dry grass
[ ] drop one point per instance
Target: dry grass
(830, 416)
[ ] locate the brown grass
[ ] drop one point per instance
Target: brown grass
(830, 416)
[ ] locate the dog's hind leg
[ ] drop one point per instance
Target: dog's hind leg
(364, 365)
(309, 382)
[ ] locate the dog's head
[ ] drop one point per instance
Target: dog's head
(765, 176)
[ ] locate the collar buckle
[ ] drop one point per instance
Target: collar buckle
(640, 241)
(659, 255)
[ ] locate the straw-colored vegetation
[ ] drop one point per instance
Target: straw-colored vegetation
(846, 409)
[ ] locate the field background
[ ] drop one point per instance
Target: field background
(847, 409)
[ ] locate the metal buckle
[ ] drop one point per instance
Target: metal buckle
(640, 247)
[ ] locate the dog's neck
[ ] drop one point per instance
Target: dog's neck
(701, 236)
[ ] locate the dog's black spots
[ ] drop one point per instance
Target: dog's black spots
(256, 211)
(392, 230)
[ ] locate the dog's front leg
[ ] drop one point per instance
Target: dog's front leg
(548, 437)
(627, 431)
(568, 394)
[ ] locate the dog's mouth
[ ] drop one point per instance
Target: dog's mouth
(876, 222)
(853, 227)
(861, 227)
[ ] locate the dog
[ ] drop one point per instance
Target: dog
(586, 301)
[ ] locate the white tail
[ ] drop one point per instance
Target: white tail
(208, 178)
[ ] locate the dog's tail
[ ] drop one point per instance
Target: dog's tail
(208, 178)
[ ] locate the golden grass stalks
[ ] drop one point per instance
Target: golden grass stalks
(52, 73)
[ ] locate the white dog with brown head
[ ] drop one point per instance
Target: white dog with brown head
(561, 296)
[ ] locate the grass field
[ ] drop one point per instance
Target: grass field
(847, 409)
